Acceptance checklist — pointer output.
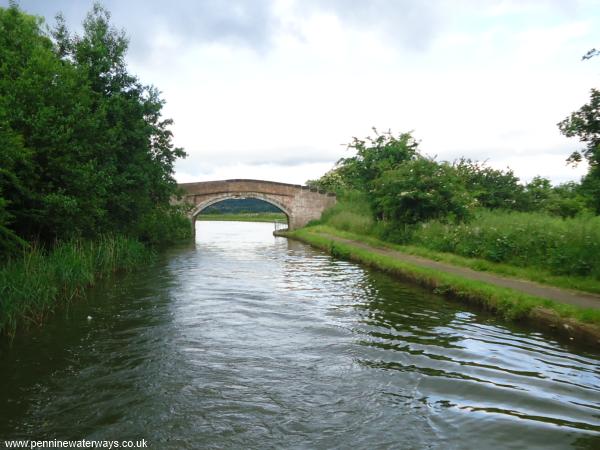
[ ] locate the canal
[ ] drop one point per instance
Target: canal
(244, 340)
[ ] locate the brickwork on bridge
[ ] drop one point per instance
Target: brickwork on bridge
(301, 204)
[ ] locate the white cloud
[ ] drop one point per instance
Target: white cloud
(273, 89)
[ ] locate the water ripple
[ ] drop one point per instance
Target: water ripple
(249, 341)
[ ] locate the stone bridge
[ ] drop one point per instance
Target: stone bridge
(300, 204)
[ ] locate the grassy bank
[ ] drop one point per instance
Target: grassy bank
(586, 284)
(511, 304)
(245, 217)
(534, 246)
(560, 246)
(34, 284)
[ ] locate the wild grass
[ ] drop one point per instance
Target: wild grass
(34, 284)
(561, 246)
(548, 248)
(581, 283)
(351, 213)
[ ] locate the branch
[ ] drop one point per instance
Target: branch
(593, 52)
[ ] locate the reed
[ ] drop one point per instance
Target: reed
(33, 284)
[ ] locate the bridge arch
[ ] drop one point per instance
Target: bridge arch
(300, 204)
(227, 196)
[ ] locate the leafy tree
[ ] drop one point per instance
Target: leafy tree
(585, 124)
(331, 181)
(135, 151)
(375, 156)
(567, 200)
(29, 73)
(539, 193)
(492, 188)
(9, 241)
(420, 190)
(85, 149)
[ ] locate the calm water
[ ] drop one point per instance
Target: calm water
(249, 341)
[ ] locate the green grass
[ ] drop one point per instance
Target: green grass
(245, 217)
(585, 284)
(509, 303)
(34, 284)
(559, 246)
(534, 246)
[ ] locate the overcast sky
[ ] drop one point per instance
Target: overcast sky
(275, 89)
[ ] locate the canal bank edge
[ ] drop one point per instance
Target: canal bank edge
(569, 321)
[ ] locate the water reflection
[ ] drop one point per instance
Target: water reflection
(249, 341)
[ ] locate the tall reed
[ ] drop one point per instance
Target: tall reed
(32, 285)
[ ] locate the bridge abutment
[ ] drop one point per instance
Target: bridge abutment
(299, 203)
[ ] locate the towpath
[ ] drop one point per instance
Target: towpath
(571, 297)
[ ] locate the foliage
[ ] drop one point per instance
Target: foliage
(564, 200)
(352, 212)
(8, 239)
(561, 246)
(161, 226)
(33, 284)
(331, 181)
(374, 156)
(419, 190)
(492, 188)
(85, 150)
(400, 185)
(585, 124)
(538, 194)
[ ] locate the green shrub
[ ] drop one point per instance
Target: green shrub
(163, 226)
(563, 246)
(420, 190)
(492, 188)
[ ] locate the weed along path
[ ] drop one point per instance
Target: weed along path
(575, 314)
(575, 298)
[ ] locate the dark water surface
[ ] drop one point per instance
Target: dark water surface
(249, 341)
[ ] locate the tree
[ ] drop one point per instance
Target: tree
(134, 147)
(420, 190)
(567, 200)
(85, 149)
(492, 188)
(539, 193)
(590, 54)
(331, 181)
(374, 156)
(585, 124)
